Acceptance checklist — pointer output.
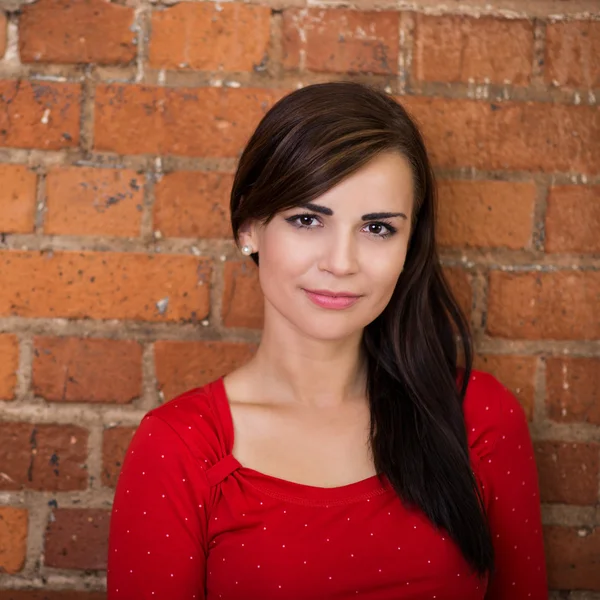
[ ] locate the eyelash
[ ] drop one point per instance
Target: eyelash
(391, 229)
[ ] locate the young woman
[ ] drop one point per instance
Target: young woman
(351, 457)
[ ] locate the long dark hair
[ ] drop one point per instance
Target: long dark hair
(308, 142)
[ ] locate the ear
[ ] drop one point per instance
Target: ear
(248, 235)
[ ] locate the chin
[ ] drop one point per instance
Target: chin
(331, 326)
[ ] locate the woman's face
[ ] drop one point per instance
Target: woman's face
(351, 240)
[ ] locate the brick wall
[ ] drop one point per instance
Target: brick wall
(120, 287)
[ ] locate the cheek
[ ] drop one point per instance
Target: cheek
(282, 258)
(384, 269)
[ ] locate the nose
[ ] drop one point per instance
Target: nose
(339, 255)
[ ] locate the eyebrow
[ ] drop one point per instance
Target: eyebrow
(368, 217)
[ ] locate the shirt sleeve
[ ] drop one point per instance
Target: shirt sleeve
(157, 539)
(513, 506)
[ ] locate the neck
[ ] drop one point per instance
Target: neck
(318, 373)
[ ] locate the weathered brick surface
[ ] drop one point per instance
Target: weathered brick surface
(193, 205)
(242, 296)
(573, 389)
(568, 472)
(39, 114)
(573, 53)
(562, 305)
(9, 363)
(43, 457)
(77, 539)
(87, 370)
(515, 372)
(115, 442)
(51, 595)
(460, 286)
(132, 119)
(529, 136)
(17, 199)
(181, 366)
(572, 219)
(13, 538)
(572, 557)
(340, 40)
(72, 31)
(231, 37)
(457, 48)
(485, 214)
(104, 285)
(2, 34)
(87, 201)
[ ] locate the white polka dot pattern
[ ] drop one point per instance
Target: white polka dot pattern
(189, 522)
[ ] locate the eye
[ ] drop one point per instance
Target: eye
(381, 230)
(305, 220)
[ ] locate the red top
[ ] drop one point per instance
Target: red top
(189, 522)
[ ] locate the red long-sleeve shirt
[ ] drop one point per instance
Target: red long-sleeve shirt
(190, 523)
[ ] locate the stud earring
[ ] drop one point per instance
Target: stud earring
(246, 250)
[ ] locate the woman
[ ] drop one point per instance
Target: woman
(351, 457)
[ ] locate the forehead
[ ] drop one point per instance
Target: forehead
(385, 182)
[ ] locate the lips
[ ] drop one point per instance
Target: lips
(333, 294)
(332, 300)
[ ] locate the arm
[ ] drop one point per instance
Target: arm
(158, 523)
(514, 509)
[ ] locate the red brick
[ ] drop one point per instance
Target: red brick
(13, 539)
(43, 457)
(561, 305)
(181, 366)
(104, 285)
(573, 389)
(573, 53)
(114, 445)
(2, 34)
(77, 539)
(568, 472)
(182, 121)
(530, 136)
(75, 31)
(210, 37)
(193, 205)
(516, 372)
(572, 557)
(87, 370)
(573, 219)
(454, 48)
(51, 595)
(242, 296)
(485, 214)
(88, 201)
(17, 199)
(460, 285)
(9, 363)
(341, 40)
(42, 115)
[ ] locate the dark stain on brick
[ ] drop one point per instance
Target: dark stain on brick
(54, 460)
(33, 443)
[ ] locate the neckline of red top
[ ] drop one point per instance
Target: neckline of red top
(289, 490)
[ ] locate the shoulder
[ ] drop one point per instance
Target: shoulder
(196, 417)
(491, 413)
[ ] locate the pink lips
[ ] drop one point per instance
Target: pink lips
(336, 301)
